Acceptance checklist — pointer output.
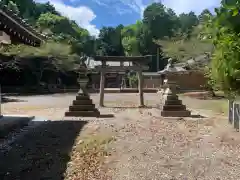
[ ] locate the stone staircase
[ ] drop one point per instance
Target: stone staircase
(82, 107)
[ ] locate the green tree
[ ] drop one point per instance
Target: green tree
(61, 27)
(159, 20)
(110, 41)
(130, 45)
(130, 40)
(204, 16)
(12, 6)
(187, 23)
(225, 65)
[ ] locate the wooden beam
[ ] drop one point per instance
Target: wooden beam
(143, 59)
(119, 68)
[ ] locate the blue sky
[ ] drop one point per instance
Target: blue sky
(93, 14)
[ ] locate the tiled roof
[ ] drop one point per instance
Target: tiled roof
(19, 24)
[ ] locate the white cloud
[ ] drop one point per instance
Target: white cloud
(99, 2)
(84, 15)
(136, 6)
(123, 11)
(178, 6)
(81, 14)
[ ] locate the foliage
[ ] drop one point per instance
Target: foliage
(183, 50)
(61, 27)
(136, 39)
(133, 80)
(187, 23)
(63, 35)
(109, 41)
(12, 6)
(161, 32)
(130, 39)
(225, 65)
(130, 45)
(59, 52)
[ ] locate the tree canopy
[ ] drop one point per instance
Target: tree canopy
(224, 30)
(159, 23)
(160, 31)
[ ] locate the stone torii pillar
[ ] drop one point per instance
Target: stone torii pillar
(140, 88)
(102, 84)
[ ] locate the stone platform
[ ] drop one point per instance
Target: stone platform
(172, 106)
(82, 107)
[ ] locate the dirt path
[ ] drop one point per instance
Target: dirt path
(146, 146)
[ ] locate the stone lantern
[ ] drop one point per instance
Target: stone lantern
(82, 79)
(83, 106)
(172, 106)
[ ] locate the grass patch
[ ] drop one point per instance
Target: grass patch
(88, 158)
(218, 106)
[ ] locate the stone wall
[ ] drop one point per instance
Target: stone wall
(189, 80)
(152, 81)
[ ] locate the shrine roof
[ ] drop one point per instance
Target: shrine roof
(172, 70)
(18, 27)
(123, 58)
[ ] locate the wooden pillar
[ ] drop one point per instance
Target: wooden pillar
(140, 88)
(102, 84)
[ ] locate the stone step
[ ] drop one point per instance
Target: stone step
(82, 102)
(170, 97)
(82, 97)
(174, 107)
(185, 113)
(82, 107)
(173, 102)
(82, 114)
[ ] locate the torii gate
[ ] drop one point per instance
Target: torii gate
(136, 63)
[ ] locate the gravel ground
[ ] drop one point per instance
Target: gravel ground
(150, 147)
(146, 145)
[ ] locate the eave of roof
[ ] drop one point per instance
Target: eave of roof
(21, 23)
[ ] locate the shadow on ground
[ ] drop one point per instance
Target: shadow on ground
(43, 153)
(197, 116)
(106, 116)
(8, 100)
(131, 107)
